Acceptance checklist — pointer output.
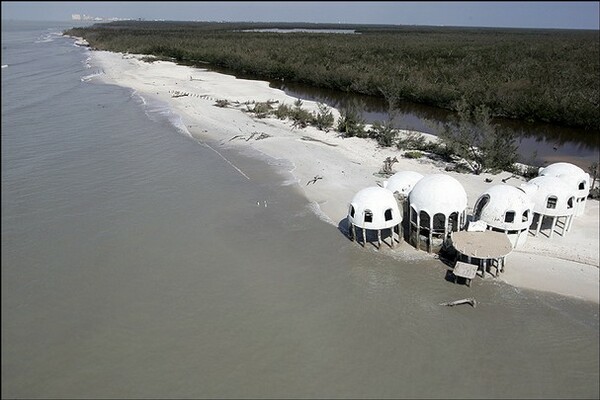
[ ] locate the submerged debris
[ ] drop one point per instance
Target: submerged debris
(469, 300)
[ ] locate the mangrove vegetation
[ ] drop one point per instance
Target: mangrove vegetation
(534, 75)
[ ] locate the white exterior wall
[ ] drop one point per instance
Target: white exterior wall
(376, 200)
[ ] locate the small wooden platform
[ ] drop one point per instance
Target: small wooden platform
(464, 270)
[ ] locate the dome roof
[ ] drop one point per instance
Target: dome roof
(541, 188)
(561, 168)
(377, 202)
(570, 173)
(438, 193)
(494, 204)
(402, 182)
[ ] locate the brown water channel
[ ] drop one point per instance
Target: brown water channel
(539, 143)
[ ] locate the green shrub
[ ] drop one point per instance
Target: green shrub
(261, 109)
(351, 122)
(413, 154)
(283, 111)
(323, 118)
(384, 133)
(222, 103)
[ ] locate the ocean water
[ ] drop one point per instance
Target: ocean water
(139, 263)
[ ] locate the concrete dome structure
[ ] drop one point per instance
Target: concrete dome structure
(553, 198)
(437, 206)
(374, 208)
(507, 209)
(402, 182)
(574, 176)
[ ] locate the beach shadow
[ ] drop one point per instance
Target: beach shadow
(371, 235)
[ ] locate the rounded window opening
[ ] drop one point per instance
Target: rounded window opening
(388, 214)
(352, 211)
(453, 222)
(368, 216)
(439, 222)
(582, 185)
(525, 216)
(424, 220)
(481, 203)
(551, 203)
(413, 215)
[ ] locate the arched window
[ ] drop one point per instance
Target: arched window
(481, 203)
(453, 222)
(388, 214)
(352, 211)
(525, 216)
(413, 215)
(551, 203)
(424, 220)
(582, 185)
(570, 202)
(439, 222)
(509, 216)
(368, 216)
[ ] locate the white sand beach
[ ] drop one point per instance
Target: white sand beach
(563, 265)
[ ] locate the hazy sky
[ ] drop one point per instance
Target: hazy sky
(545, 14)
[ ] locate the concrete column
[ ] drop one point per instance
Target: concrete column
(392, 229)
(354, 233)
(351, 231)
(539, 224)
(378, 238)
(430, 236)
(364, 237)
(570, 223)
(552, 228)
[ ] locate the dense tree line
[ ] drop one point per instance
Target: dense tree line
(536, 75)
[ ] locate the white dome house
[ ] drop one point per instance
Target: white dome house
(507, 209)
(402, 182)
(437, 206)
(374, 208)
(574, 176)
(553, 199)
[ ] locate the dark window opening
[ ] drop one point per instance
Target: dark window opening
(425, 222)
(481, 203)
(368, 216)
(525, 216)
(388, 214)
(509, 216)
(453, 222)
(552, 200)
(570, 202)
(582, 185)
(413, 216)
(439, 222)
(352, 211)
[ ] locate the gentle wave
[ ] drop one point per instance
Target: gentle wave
(89, 77)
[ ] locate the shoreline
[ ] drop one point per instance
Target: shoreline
(563, 265)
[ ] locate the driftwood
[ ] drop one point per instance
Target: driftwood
(314, 180)
(469, 300)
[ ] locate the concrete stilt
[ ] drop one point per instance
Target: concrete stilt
(364, 237)
(552, 228)
(378, 238)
